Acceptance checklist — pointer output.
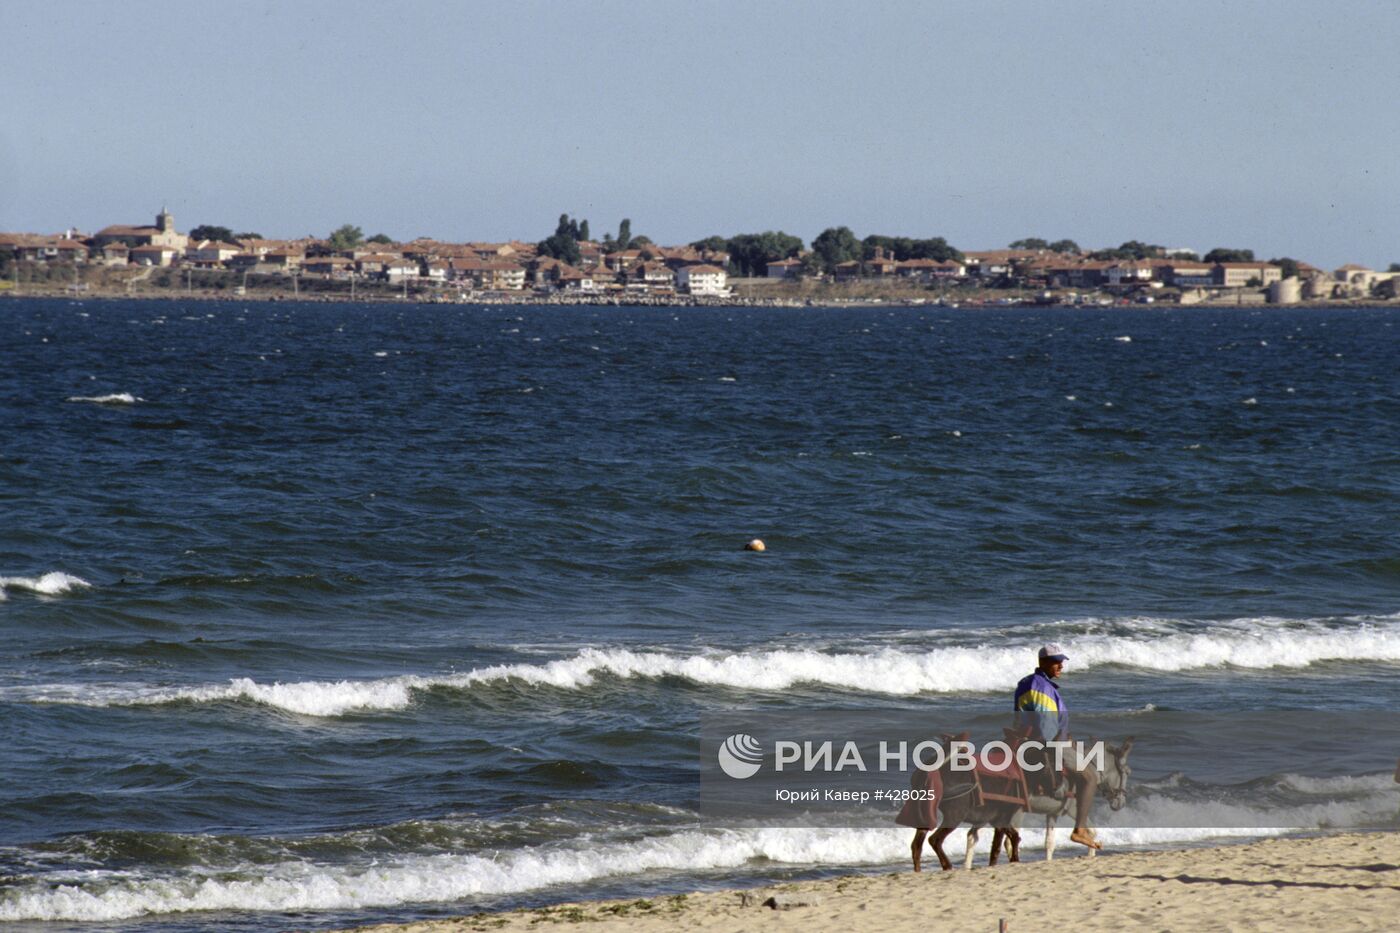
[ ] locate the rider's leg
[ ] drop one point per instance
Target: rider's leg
(1085, 784)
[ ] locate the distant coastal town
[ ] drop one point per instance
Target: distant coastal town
(573, 267)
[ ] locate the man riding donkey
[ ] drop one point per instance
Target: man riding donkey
(1041, 717)
(1041, 710)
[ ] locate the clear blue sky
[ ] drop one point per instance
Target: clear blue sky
(1271, 125)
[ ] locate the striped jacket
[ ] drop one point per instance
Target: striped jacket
(1039, 706)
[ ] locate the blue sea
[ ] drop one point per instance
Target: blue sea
(324, 614)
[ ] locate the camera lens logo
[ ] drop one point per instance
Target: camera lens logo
(740, 756)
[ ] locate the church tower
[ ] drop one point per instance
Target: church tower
(165, 234)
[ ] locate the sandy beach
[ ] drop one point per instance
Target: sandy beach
(1342, 882)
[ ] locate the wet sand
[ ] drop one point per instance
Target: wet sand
(1342, 882)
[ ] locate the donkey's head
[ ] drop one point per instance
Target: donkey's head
(1113, 779)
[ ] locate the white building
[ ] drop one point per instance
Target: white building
(396, 270)
(703, 280)
(1241, 274)
(162, 234)
(212, 251)
(153, 255)
(1128, 273)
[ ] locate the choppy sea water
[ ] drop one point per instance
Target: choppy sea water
(313, 614)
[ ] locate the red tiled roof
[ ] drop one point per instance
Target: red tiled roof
(1000, 255)
(483, 265)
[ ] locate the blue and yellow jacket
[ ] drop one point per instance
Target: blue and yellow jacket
(1039, 706)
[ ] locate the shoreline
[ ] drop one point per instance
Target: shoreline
(961, 303)
(532, 300)
(1347, 881)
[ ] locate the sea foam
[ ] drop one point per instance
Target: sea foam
(1294, 802)
(440, 878)
(54, 583)
(427, 879)
(902, 670)
(119, 398)
(305, 698)
(435, 878)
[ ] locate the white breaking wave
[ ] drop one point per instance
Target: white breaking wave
(54, 583)
(119, 398)
(1342, 802)
(298, 886)
(438, 878)
(905, 670)
(1340, 784)
(306, 698)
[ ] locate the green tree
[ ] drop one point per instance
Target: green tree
(346, 236)
(380, 238)
(563, 245)
(1254, 282)
(1223, 254)
(1394, 267)
(624, 233)
(903, 247)
(896, 246)
(1059, 246)
(211, 232)
(1136, 249)
(1133, 249)
(934, 248)
(750, 253)
(1287, 265)
(714, 244)
(247, 236)
(583, 231)
(836, 245)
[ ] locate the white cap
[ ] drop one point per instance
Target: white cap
(1052, 652)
